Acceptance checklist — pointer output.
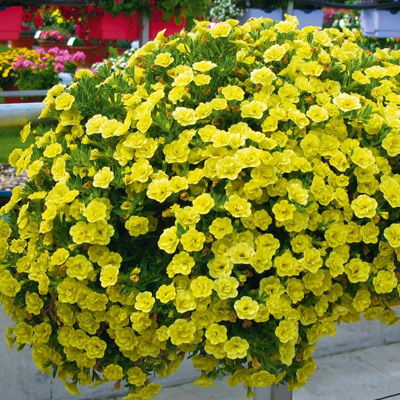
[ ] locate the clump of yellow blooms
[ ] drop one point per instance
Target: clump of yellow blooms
(8, 75)
(231, 195)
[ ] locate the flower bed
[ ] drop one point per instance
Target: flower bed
(231, 195)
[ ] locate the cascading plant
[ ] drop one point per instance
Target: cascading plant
(230, 195)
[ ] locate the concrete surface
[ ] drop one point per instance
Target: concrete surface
(367, 374)
(360, 375)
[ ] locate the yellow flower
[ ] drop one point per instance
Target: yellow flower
(237, 206)
(216, 334)
(391, 144)
(184, 116)
(202, 79)
(193, 240)
(34, 303)
(95, 348)
(347, 102)
(176, 152)
(283, 210)
(202, 286)
(103, 178)
(150, 391)
(246, 308)
(159, 190)
(364, 206)
(168, 240)
(137, 225)
(317, 113)
(69, 291)
(221, 29)
(109, 275)
(287, 331)
(64, 101)
(113, 372)
(144, 302)
(236, 347)
(357, 270)
(264, 76)
(221, 227)
(52, 150)
(166, 293)
(385, 281)
(274, 53)
(95, 210)
(181, 331)
(204, 66)
(79, 267)
(232, 92)
(253, 109)
(164, 60)
(203, 110)
(392, 234)
(136, 376)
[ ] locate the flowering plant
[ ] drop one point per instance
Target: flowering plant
(231, 194)
(41, 72)
(222, 10)
(56, 25)
(8, 75)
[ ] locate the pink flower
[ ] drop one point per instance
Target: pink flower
(27, 63)
(53, 50)
(59, 67)
(79, 56)
(18, 63)
(42, 65)
(34, 66)
(40, 51)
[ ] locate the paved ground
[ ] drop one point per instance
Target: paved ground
(369, 374)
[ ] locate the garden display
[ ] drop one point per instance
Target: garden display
(230, 195)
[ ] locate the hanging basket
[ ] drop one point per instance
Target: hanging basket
(275, 15)
(309, 17)
(11, 22)
(157, 24)
(121, 27)
(380, 23)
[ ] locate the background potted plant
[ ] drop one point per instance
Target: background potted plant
(55, 29)
(39, 70)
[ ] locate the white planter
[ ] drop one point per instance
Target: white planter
(380, 23)
(276, 15)
(309, 17)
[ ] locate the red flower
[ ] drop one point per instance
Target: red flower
(38, 21)
(26, 16)
(66, 12)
